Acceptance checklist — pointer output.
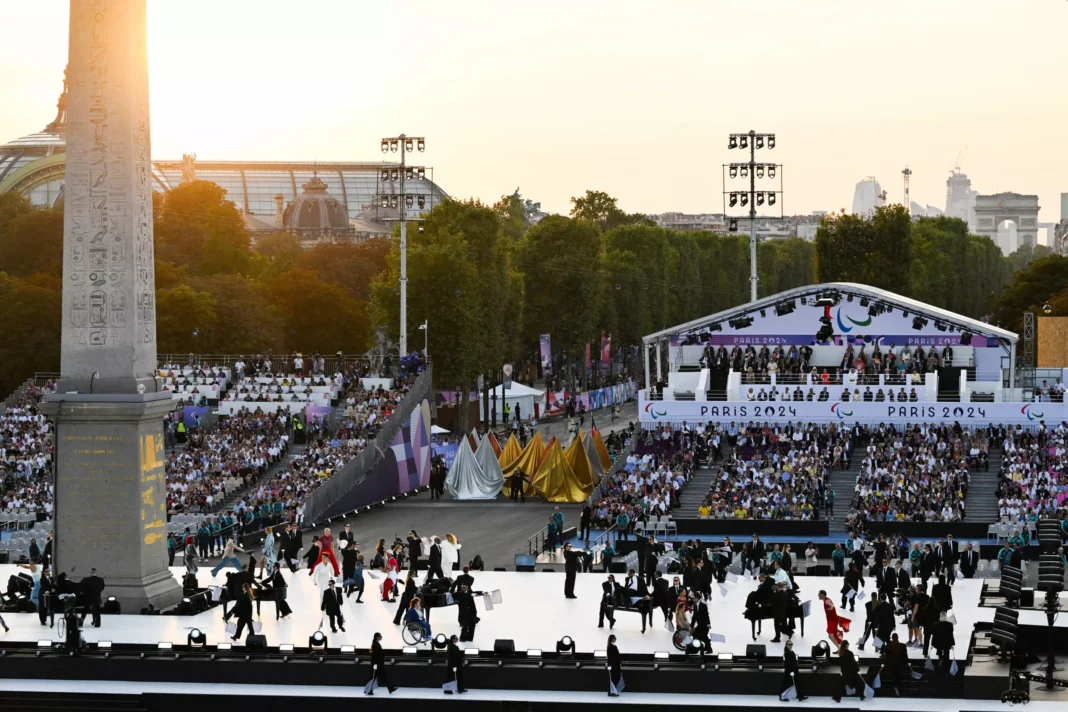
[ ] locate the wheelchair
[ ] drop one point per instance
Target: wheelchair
(414, 634)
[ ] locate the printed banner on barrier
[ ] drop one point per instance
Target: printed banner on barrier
(448, 451)
(546, 356)
(654, 412)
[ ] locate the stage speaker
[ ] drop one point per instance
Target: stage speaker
(256, 641)
(1011, 583)
(1006, 621)
(756, 650)
(503, 646)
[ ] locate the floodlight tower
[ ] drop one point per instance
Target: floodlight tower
(908, 204)
(752, 197)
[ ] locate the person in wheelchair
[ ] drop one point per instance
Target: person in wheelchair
(415, 614)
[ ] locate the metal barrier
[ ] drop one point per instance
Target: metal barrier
(352, 474)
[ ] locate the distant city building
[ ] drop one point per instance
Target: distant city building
(960, 199)
(868, 196)
(803, 226)
(1064, 207)
(34, 166)
(924, 211)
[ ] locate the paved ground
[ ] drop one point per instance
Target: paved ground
(496, 529)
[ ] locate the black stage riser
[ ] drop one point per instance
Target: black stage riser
(591, 677)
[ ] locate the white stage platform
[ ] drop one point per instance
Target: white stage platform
(534, 613)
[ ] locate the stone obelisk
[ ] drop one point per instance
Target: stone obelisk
(108, 409)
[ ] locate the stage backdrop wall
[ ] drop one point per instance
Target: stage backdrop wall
(405, 466)
(653, 413)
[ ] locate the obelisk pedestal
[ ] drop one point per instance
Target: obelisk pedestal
(108, 410)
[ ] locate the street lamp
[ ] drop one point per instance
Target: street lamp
(425, 328)
(402, 200)
(753, 170)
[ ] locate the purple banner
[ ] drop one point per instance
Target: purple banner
(888, 340)
(546, 356)
(191, 413)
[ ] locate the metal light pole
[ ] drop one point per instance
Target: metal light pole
(751, 197)
(425, 328)
(405, 145)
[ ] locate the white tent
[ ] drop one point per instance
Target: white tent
(517, 395)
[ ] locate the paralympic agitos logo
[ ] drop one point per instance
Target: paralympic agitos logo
(1031, 413)
(840, 410)
(846, 329)
(653, 413)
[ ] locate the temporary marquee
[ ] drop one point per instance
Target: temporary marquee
(517, 395)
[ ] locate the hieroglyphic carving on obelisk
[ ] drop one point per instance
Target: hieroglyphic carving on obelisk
(109, 325)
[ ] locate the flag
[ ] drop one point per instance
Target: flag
(588, 363)
(546, 356)
(606, 348)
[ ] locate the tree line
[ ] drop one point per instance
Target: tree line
(488, 279)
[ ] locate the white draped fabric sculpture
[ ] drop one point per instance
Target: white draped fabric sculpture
(474, 475)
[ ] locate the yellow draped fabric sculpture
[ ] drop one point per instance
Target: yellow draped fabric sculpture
(555, 480)
(527, 461)
(598, 443)
(510, 452)
(580, 463)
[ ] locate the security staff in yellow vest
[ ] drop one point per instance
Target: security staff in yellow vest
(181, 431)
(299, 436)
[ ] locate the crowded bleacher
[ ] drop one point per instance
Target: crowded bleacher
(26, 441)
(918, 473)
(1032, 481)
(649, 483)
(776, 472)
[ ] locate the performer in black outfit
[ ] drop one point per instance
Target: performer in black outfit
(410, 589)
(608, 600)
(850, 673)
(464, 579)
(378, 668)
(584, 522)
(572, 564)
(853, 582)
(242, 610)
(454, 662)
(331, 606)
(969, 562)
(791, 672)
(467, 615)
(92, 588)
(615, 668)
(415, 549)
(435, 561)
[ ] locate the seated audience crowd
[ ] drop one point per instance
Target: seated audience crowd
(26, 441)
(1033, 479)
(776, 471)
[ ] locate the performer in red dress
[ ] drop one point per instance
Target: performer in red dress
(326, 550)
(836, 625)
(392, 571)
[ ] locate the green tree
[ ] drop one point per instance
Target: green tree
(246, 319)
(12, 205)
(1026, 254)
(1034, 286)
(562, 269)
(318, 317)
(870, 250)
(199, 228)
(348, 265)
(183, 315)
(30, 316)
(32, 241)
(599, 207)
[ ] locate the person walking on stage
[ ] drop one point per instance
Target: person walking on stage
(326, 551)
(331, 606)
(850, 674)
(790, 675)
(834, 622)
(229, 556)
(454, 662)
(434, 559)
(615, 668)
(267, 554)
(410, 589)
(92, 588)
(415, 549)
(378, 668)
(242, 610)
(572, 564)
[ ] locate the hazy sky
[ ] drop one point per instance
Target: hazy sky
(634, 98)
